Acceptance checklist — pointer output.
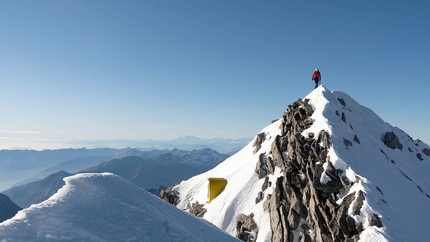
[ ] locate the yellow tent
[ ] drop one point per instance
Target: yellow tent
(216, 186)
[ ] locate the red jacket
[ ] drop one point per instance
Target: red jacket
(316, 75)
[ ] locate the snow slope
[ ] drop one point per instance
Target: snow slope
(105, 207)
(395, 182)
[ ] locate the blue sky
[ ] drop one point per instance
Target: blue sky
(95, 70)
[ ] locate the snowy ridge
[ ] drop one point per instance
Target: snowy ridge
(105, 207)
(240, 192)
(394, 182)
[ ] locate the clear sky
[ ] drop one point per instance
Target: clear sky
(95, 70)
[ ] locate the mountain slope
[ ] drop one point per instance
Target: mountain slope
(105, 207)
(8, 209)
(329, 170)
(38, 191)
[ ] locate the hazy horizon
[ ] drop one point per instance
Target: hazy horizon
(137, 70)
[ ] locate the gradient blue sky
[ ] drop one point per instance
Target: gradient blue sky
(94, 70)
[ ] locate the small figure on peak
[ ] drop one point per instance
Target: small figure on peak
(316, 77)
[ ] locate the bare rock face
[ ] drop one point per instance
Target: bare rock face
(375, 221)
(299, 195)
(169, 195)
(258, 141)
(391, 140)
(196, 209)
(244, 227)
(261, 169)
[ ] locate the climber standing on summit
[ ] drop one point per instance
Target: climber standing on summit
(316, 77)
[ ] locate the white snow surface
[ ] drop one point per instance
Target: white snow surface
(395, 182)
(105, 207)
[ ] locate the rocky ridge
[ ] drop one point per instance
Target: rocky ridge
(328, 170)
(299, 198)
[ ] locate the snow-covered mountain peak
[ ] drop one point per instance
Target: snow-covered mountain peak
(105, 207)
(329, 170)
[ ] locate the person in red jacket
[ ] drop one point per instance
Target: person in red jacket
(316, 77)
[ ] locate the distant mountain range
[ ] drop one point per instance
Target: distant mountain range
(17, 165)
(162, 170)
(225, 146)
(147, 169)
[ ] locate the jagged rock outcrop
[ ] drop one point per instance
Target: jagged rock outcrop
(356, 139)
(169, 195)
(196, 209)
(261, 169)
(258, 141)
(245, 226)
(391, 140)
(172, 196)
(304, 198)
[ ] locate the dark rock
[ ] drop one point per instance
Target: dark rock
(196, 209)
(341, 101)
(169, 195)
(332, 186)
(419, 156)
(261, 168)
(356, 139)
(426, 151)
(325, 138)
(358, 203)
(277, 156)
(283, 143)
(266, 204)
(351, 224)
(379, 189)
(266, 184)
(391, 140)
(258, 141)
(259, 197)
(343, 117)
(341, 215)
(270, 165)
(347, 142)
(374, 220)
(245, 224)
(293, 219)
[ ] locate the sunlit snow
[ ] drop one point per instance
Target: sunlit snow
(105, 207)
(395, 182)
